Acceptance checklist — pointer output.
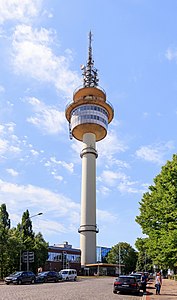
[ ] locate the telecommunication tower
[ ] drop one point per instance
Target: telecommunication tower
(88, 115)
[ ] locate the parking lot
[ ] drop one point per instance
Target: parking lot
(83, 289)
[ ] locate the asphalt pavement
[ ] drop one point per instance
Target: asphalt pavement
(168, 290)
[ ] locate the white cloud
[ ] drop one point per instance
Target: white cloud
(57, 177)
(47, 118)
(19, 10)
(19, 197)
(111, 145)
(110, 178)
(54, 166)
(171, 54)
(2, 89)
(12, 172)
(120, 181)
(107, 150)
(132, 187)
(51, 227)
(104, 190)
(155, 153)
(68, 166)
(33, 56)
(34, 152)
(9, 143)
(106, 216)
(145, 115)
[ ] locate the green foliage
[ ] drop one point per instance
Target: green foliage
(158, 216)
(41, 251)
(4, 234)
(20, 239)
(123, 253)
(144, 261)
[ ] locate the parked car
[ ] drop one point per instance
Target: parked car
(126, 284)
(48, 276)
(21, 277)
(138, 279)
(68, 274)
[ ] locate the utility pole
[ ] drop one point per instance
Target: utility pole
(119, 262)
(145, 262)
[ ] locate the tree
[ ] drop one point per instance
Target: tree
(123, 253)
(4, 234)
(144, 261)
(158, 216)
(32, 243)
(40, 251)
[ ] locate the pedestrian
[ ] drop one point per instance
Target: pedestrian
(158, 283)
(143, 283)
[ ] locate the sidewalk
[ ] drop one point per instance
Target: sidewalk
(168, 291)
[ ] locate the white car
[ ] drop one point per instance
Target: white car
(68, 274)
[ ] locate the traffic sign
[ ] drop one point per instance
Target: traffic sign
(28, 257)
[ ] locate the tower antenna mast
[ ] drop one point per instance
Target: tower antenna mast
(90, 73)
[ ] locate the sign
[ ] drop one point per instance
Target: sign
(28, 257)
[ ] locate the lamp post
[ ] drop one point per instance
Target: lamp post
(145, 261)
(64, 259)
(21, 227)
(119, 262)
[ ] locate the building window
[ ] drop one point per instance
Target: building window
(52, 256)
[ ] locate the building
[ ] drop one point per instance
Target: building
(88, 115)
(62, 256)
(101, 253)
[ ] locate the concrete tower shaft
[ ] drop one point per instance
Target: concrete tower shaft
(88, 227)
(89, 115)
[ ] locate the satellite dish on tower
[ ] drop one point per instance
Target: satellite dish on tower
(82, 67)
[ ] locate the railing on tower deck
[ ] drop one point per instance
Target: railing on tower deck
(83, 87)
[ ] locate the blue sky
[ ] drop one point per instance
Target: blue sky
(42, 45)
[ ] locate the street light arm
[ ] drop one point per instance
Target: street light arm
(39, 214)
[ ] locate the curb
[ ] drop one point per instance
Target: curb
(146, 297)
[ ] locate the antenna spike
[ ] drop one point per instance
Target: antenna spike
(90, 75)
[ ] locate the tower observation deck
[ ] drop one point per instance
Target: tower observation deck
(89, 115)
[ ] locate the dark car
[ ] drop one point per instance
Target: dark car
(126, 284)
(21, 277)
(138, 279)
(48, 276)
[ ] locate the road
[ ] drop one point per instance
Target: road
(83, 289)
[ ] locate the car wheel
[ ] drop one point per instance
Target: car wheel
(19, 281)
(7, 283)
(115, 292)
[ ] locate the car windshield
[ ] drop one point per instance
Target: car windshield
(16, 274)
(64, 272)
(138, 276)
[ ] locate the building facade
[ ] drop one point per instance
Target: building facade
(102, 252)
(63, 256)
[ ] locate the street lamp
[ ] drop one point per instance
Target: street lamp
(64, 258)
(119, 262)
(21, 227)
